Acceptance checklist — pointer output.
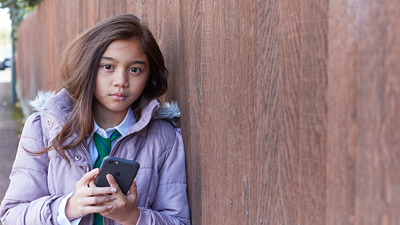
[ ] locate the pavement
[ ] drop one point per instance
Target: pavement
(10, 128)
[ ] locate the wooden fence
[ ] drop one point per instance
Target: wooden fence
(290, 108)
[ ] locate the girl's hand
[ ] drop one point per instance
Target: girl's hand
(124, 208)
(88, 198)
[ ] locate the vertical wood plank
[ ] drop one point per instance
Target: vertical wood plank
(377, 61)
(41, 67)
(191, 134)
(279, 146)
(268, 72)
(206, 87)
(222, 34)
(313, 111)
(342, 113)
(50, 46)
(393, 107)
(170, 45)
(89, 8)
(60, 28)
(246, 81)
(289, 85)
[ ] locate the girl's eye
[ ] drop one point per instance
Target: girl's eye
(107, 67)
(134, 70)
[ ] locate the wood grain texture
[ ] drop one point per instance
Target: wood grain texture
(190, 101)
(268, 45)
(290, 109)
(278, 112)
(289, 83)
(342, 114)
(206, 147)
(393, 110)
(377, 71)
(313, 112)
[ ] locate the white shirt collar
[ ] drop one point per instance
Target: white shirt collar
(122, 128)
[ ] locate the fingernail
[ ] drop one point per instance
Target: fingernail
(113, 190)
(109, 176)
(109, 207)
(113, 197)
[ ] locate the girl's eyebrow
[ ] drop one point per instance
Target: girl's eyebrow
(108, 58)
(138, 62)
(133, 62)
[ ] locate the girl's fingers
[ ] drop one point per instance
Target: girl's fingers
(133, 188)
(97, 200)
(93, 191)
(96, 209)
(88, 177)
(91, 183)
(88, 198)
(113, 183)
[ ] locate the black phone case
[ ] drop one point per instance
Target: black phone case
(123, 170)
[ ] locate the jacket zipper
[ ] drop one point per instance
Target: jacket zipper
(75, 136)
(86, 152)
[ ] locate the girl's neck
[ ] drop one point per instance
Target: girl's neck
(107, 120)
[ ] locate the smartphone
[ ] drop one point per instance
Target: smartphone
(123, 170)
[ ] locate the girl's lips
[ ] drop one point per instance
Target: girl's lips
(118, 96)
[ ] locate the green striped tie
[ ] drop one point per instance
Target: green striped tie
(103, 146)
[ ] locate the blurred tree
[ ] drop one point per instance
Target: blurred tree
(18, 9)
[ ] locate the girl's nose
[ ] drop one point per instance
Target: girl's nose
(120, 79)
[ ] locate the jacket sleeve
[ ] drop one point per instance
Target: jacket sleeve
(170, 205)
(27, 200)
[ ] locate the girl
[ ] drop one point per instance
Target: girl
(113, 73)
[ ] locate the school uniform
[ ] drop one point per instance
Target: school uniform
(40, 183)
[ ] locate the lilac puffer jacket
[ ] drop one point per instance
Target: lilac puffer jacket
(38, 183)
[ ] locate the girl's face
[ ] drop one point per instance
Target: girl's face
(121, 78)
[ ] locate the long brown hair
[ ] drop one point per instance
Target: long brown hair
(78, 70)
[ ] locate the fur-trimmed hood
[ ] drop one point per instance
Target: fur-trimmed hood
(169, 111)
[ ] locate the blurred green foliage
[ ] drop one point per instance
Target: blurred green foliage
(19, 9)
